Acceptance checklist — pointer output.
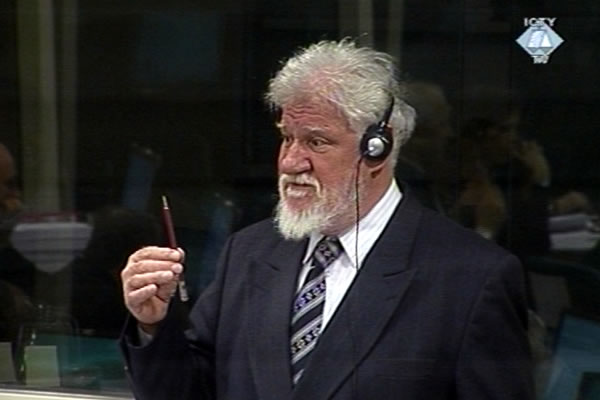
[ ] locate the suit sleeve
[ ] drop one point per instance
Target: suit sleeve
(179, 362)
(494, 360)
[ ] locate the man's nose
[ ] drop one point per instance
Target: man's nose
(294, 159)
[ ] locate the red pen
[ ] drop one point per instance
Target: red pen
(170, 231)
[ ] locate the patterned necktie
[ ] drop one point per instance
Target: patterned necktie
(307, 313)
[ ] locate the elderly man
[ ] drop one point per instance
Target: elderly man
(354, 290)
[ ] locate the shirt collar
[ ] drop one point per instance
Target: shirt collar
(370, 228)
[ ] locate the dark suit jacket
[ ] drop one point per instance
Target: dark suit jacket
(435, 313)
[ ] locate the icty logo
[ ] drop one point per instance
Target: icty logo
(539, 39)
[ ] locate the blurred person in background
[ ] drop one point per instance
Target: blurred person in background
(505, 177)
(10, 195)
(14, 268)
(425, 161)
(16, 273)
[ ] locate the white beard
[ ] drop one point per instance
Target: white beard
(327, 210)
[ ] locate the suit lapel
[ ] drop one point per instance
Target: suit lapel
(272, 285)
(366, 309)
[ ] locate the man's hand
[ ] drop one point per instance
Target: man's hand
(149, 280)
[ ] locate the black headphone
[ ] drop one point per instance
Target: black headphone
(377, 141)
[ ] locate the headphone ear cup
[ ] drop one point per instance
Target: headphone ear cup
(376, 143)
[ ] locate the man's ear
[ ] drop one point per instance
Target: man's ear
(375, 167)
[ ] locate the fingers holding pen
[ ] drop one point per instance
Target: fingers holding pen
(157, 253)
(149, 280)
(157, 278)
(151, 271)
(137, 297)
(150, 266)
(152, 259)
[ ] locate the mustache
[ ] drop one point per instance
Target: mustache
(300, 179)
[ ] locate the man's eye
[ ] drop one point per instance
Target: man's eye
(317, 142)
(286, 139)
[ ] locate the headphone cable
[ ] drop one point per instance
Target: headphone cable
(354, 357)
(357, 219)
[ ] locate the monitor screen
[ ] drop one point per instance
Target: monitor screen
(575, 372)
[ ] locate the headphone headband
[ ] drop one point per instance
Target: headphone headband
(377, 141)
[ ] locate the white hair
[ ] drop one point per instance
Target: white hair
(359, 81)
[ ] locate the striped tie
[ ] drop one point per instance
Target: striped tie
(307, 314)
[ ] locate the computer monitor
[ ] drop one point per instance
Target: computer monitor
(575, 372)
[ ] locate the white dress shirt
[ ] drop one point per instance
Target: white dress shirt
(341, 272)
